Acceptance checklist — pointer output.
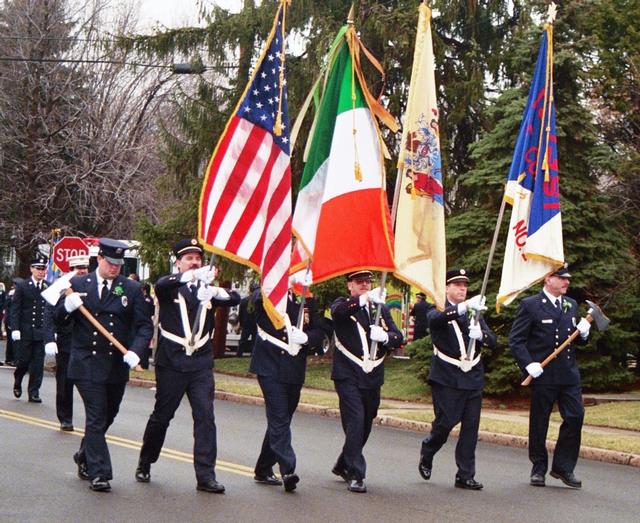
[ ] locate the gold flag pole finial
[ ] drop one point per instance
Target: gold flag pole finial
(551, 13)
(351, 17)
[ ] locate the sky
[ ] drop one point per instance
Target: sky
(176, 13)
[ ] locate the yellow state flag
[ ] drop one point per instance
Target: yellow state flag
(420, 250)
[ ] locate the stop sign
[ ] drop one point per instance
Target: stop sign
(66, 247)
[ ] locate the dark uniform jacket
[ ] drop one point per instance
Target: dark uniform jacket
(419, 312)
(169, 353)
(343, 312)
(27, 310)
(123, 314)
(444, 338)
(270, 360)
(539, 328)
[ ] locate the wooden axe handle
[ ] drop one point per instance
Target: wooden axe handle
(85, 312)
(555, 353)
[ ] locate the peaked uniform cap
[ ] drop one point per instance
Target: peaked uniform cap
(112, 250)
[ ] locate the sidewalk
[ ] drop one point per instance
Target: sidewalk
(394, 413)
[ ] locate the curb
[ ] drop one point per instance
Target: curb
(508, 440)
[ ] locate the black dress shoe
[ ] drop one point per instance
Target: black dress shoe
(424, 469)
(568, 478)
(143, 472)
(35, 399)
(357, 486)
(343, 473)
(99, 485)
(269, 479)
(210, 486)
(17, 390)
(468, 484)
(66, 426)
(537, 480)
(290, 481)
(82, 467)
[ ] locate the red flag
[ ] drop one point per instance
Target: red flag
(245, 204)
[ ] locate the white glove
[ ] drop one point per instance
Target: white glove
(131, 359)
(72, 302)
(475, 332)
(205, 274)
(51, 348)
(15, 335)
(363, 299)
(534, 369)
(298, 336)
(187, 276)
(583, 326)
(477, 303)
(462, 308)
(378, 295)
(208, 292)
(304, 278)
(378, 334)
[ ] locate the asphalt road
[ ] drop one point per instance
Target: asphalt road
(38, 480)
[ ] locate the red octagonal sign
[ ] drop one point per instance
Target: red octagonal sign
(67, 247)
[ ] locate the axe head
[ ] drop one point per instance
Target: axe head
(599, 318)
(52, 293)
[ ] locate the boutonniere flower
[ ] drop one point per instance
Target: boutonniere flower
(566, 305)
(119, 290)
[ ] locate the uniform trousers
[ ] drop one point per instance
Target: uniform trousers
(172, 385)
(101, 405)
(281, 401)
(569, 399)
(452, 406)
(358, 409)
(64, 389)
(30, 358)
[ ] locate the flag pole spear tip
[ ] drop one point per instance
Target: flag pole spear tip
(551, 13)
(351, 17)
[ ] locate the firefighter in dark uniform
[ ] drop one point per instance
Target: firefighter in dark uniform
(358, 371)
(10, 351)
(279, 359)
(58, 344)
(419, 313)
(27, 322)
(456, 378)
(184, 361)
(98, 369)
(542, 324)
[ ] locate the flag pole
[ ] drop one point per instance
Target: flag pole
(487, 271)
(383, 278)
(551, 16)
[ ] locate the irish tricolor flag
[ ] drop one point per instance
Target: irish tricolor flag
(342, 219)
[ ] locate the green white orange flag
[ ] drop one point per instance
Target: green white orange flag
(420, 250)
(342, 220)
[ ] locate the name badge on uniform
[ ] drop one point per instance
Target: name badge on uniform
(125, 301)
(547, 321)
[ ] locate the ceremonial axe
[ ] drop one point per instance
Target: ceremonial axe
(595, 315)
(63, 286)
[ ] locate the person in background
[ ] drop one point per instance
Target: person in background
(57, 342)
(419, 313)
(27, 321)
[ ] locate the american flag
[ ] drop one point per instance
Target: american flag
(245, 204)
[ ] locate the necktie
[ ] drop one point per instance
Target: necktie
(105, 291)
(194, 288)
(38, 285)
